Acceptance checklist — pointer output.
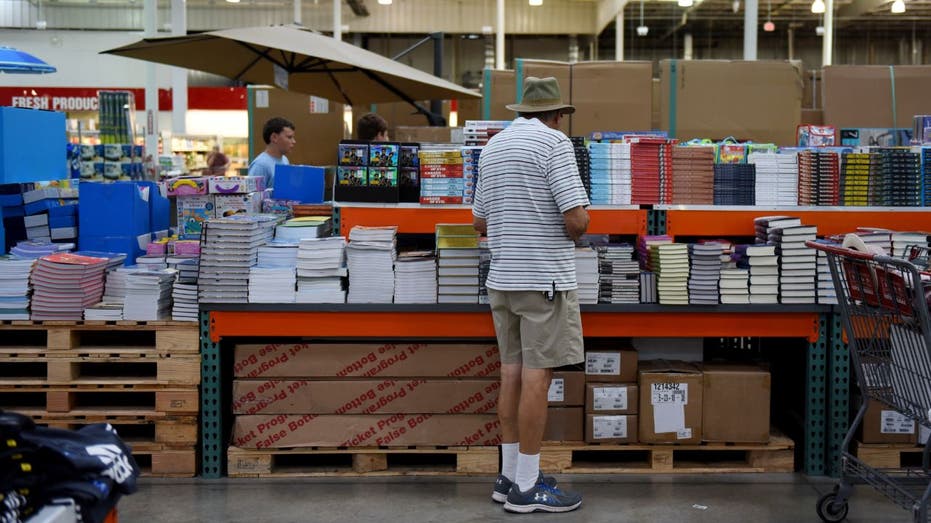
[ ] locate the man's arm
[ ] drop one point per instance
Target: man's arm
(576, 222)
(480, 225)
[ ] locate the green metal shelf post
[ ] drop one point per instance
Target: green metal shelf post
(815, 400)
(839, 395)
(211, 403)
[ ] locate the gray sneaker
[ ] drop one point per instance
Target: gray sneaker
(503, 486)
(543, 498)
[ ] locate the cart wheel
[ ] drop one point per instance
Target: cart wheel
(828, 512)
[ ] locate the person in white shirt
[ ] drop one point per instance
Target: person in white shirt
(278, 134)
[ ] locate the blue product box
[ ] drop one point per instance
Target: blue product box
(42, 206)
(114, 209)
(159, 207)
(12, 211)
(3, 249)
(45, 157)
(57, 222)
(11, 200)
(131, 246)
(299, 182)
(70, 208)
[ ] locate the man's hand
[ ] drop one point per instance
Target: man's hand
(576, 222)
(480, 225)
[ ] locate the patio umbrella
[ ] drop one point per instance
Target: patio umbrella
(19, 62)
(298, 60)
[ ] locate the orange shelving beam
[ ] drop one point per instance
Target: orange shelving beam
(712, 223)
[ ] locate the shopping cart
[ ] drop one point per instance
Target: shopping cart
(886, 323)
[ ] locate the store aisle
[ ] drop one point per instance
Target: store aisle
(609, 499)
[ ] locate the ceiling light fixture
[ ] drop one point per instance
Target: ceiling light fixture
(686, 3)
(819, 30)
(817, 7)
(642, 30)
(769, 26)
(233, 1)
(535, 3)
(384, 2)
(898, 7)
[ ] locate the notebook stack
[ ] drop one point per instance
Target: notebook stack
(610, 182)
(148, 295)
(28, 249)
(651, 171)
(229, 248)
(586, 274)
(734, 286)
(693, 175)
(670, 262)
(644, 248)
(776, 178)
(903, 241)
(65, 284)
(415, 277)
(184, 291)
(110, 306)
(321, 267)
(296, 229)
(734, 184)
(484, 266)
(827, 295)
(797, 263)
(370, 256)
(272, 284)
(619, 274)
(647, 287)
(441, 175)
(459, 259)
(859, 179)
(704, 273)
(583, 160)
(901, 178)
(478, 132)
(763, 264)
(15, 288)
(152, 262)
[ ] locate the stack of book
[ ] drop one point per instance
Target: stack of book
(470, 157)
(903, 241)
(670, 262)
(111, 305)
(734, 184)
(321, 267)
(459, 260)
(32, 250)
(583, 160)
(272, 284)
(645, 245)
(65, 284)
(734, 288)
(704, 273)
(586, 274)
(152, 262)
(926, 176)
(619, 274)
(148, 295)
(442, 178)
(610, 173)
(371, 253)
(860, 179)
(415, 277)
(797, 263)
(484, 266)
(651, 171)
(230, 246)
(818, 178)
(647, 287)
(876, 238)
(278, 254)
(296, 229)
(763, 262)
(776, 178)
(827, 295)
(478, 132)
(14, 288)
(104, 311)
(901, 178)
(184, 290)
(693, 175)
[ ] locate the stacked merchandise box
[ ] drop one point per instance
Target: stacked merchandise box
(886, 426)
(194, 205)
(365, 395)
(442, 176)
(115, 217)
(879, 96)
(735, 403)
(566, 397)
(611, 404)
(670, 402)
(236, 194)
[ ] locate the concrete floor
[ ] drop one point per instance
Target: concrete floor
(756, 498)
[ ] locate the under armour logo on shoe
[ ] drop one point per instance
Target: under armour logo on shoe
(540, 497)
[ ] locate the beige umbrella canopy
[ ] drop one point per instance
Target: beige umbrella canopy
(298, 60)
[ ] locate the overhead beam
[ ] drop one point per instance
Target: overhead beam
(606, 13)
(859, 8)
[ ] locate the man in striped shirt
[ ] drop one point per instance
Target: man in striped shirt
(530, 202)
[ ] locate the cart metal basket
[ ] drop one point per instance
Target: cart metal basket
(886, 323)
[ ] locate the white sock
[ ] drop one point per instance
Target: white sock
(528, 470)
(509, 453)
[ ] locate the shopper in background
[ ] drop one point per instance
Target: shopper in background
(530, 202)
(372, 127)
(217, 162)
(278, 134)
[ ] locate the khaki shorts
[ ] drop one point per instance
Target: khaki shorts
(536, 332)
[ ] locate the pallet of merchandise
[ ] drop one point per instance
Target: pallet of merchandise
(97, 366)
(353, 462)
(888, 455)
(165, 337)
(140, 432)
(94, 400)
(579, 458)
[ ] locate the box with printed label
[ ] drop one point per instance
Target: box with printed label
(735, 403)
(884, 425)
(567, 389)
(369, 360)
(611, 428)
(235, 184)
(382, 396)
(670, 402)
(611, 398)
(564, 424)
(230, 204)
(361, 430)
(611, 365)
(193, 212)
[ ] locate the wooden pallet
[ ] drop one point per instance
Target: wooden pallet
(167, 463)
(142, 433)
(313, 461)
(776, 456)
(96, 400)
(888, 455)
(165, 337)
(104, 366)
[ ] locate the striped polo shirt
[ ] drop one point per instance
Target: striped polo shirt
(527, 179)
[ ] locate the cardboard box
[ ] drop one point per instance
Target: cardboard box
(599, 107)
(193, 211)
(235, 184)
(884, 425)
(600, 428)
(735, 403)
(418, 134)
(564, 424)
(368, 360)
(257, 396)
(812, 117)
(319, 127)
(230, 204)
(360, 430)
(611, 366)
(567, 389)
(750, 100)
(611, 398)
(498, 90)
(670, 402)
(861, 95)
(562, 71)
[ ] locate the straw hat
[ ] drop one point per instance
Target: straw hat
(541, 95)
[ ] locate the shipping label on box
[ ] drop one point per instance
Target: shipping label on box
(359, 430)
(611, 365)
(892, 422)
(670, 402)
(600, 428)
(611, 398)
(365, 397)
(422, 360)
(567, 389)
